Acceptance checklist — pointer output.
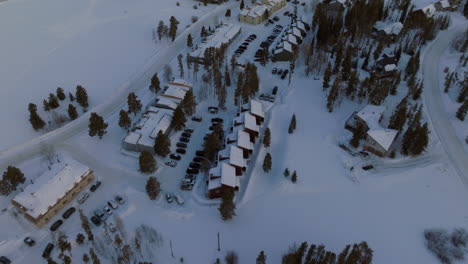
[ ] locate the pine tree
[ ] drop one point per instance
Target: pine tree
(358, 133)
(261, 259)
(155, 85)
(160, 29)
(97, 126)
(85, 258)
(286, 172)
(421, 139)
(189, 103)
(80, 238)
(326, 77)
(242, 5)
(212, 146)
(418, 91)
(178, 119)
(147, 162)
(162, 146)
(72, 113)
(343, 255)
(461, 112)
(203, 33)
(181, 65)
(53, 101)
(60, 94)
(81, 96)
(173, 28)
(153, 188)
(94, 257)
(294, 177)
(34, 118)
(227, 207)
(134, 104)
(85, 225)
(11, 178)
(267, 163)
(124, 120)
(189, 41)
(292, 124)
(227, 77)
(398, 118)
(333, 94)
(267, 138)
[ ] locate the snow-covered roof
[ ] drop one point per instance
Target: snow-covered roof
(296, 32)
(257, 10)
(393, 28)
(132, 138)
(384, 137)
(300, 25)
(167, 102)
(243, 140)
(175, 92)
(291, 39)
(50, 187)
(390, 67)
(444, 3)
(154, 122)
(228, 175)
(214, 183)
(163, 125)
(250, 122)
(223, 35)
(236, 157)
(256, 108)
(371, 114)
(181, 82)
(429, 10)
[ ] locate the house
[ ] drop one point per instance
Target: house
(52, 191)
(242, 140)
(379, 141)
(222, 37)
(223, 175)
(256, 109)
(260, 12)
(234, 156)
(172, 96)
(443, 5)
(248, 123)
(145, 132)
(384, 31)
(382, 66)
(424, 12)
(283, 52)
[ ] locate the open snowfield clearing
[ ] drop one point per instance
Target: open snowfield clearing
(52, 43)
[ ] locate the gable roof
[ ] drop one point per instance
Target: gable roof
(371, 114)
(243, 140)
(236, 157)
(256, 108)
(384, 137)
(228, 176)
(250, 122)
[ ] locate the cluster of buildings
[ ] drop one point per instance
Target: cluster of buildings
(223, 36)
(430, 10)
(390, 31)
(261, 11)
(52, 191)
(290, 40)
(232, 161)
(157, 118)
(378, 139)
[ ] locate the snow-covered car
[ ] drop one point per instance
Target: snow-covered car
(174, 156)
(95, 220)
(83, 197)
(29, 241)
(171, 163)
(112, 204)
(100, 214)
(169, 198)
(107, 209)
(119, 199)
(178, 198)
(112, 227)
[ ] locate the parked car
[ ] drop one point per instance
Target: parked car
(171, 163)
(107, 210)
(194, 165)
(253, 35)
(185, 134)
(29, 241)
(83, 197)
(112, 227)
(367, 167)
(192, 171)
(48, 249)
(4, 260)
(280, 71)
(178, 198)
(283, 75)
(197, 118)
(68, 212)
(200, 153)
(174, 156)
(56, 225)
(184, 139)
(119, 199)
(185, 186)
(181, 145)
(198, 159)
(100, 214)
(112, 204)
(217, 120)
(274, 71)
(95, 220)
(181, 151)
(191, 176)
(276, 18)
(188, 130)
(169, 198)
(275, 90)
(95, 186)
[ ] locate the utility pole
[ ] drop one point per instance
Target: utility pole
(219, 248)
(172, 252)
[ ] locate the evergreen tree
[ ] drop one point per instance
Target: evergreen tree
(53, 101)
(155, 85)
(80, 238)
(461, 112)
(173, 28)
(343, 255)
(11, 178)
(147, 162)
(181, 65)
(267, 138)
(85, 225)
(178, 119)
(418, 91)
(333, 94)
(134, 104)
(34, 118)
(294, 177)
(71, 97)
(267, 163)
(189, 41)
(97, 126)
(72, 113)
(124, 120)
(421, 139)
(398, 118)
(286, 172)
(227, 207)
(212, 146)
(81, 96)
(261, 259)
(94, 257)
(60, 94)
(358, 133)
(45, 105)
(292, 124)
(153, 188)
(85, 258)
(189, 103)
(326, 77)
(203, 33)
(242, 5)
(227, 77)
(162, 146)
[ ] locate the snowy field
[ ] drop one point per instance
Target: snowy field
(98, 44)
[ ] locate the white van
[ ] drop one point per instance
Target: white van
(83, 197)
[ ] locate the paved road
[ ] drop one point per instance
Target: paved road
(452, 145)
(116, 100)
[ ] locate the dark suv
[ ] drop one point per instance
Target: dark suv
(69, 212)
(48, 249)
(56, 225)
(95, 186)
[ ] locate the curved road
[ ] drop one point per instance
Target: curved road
(118, 98)
(452, 145)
